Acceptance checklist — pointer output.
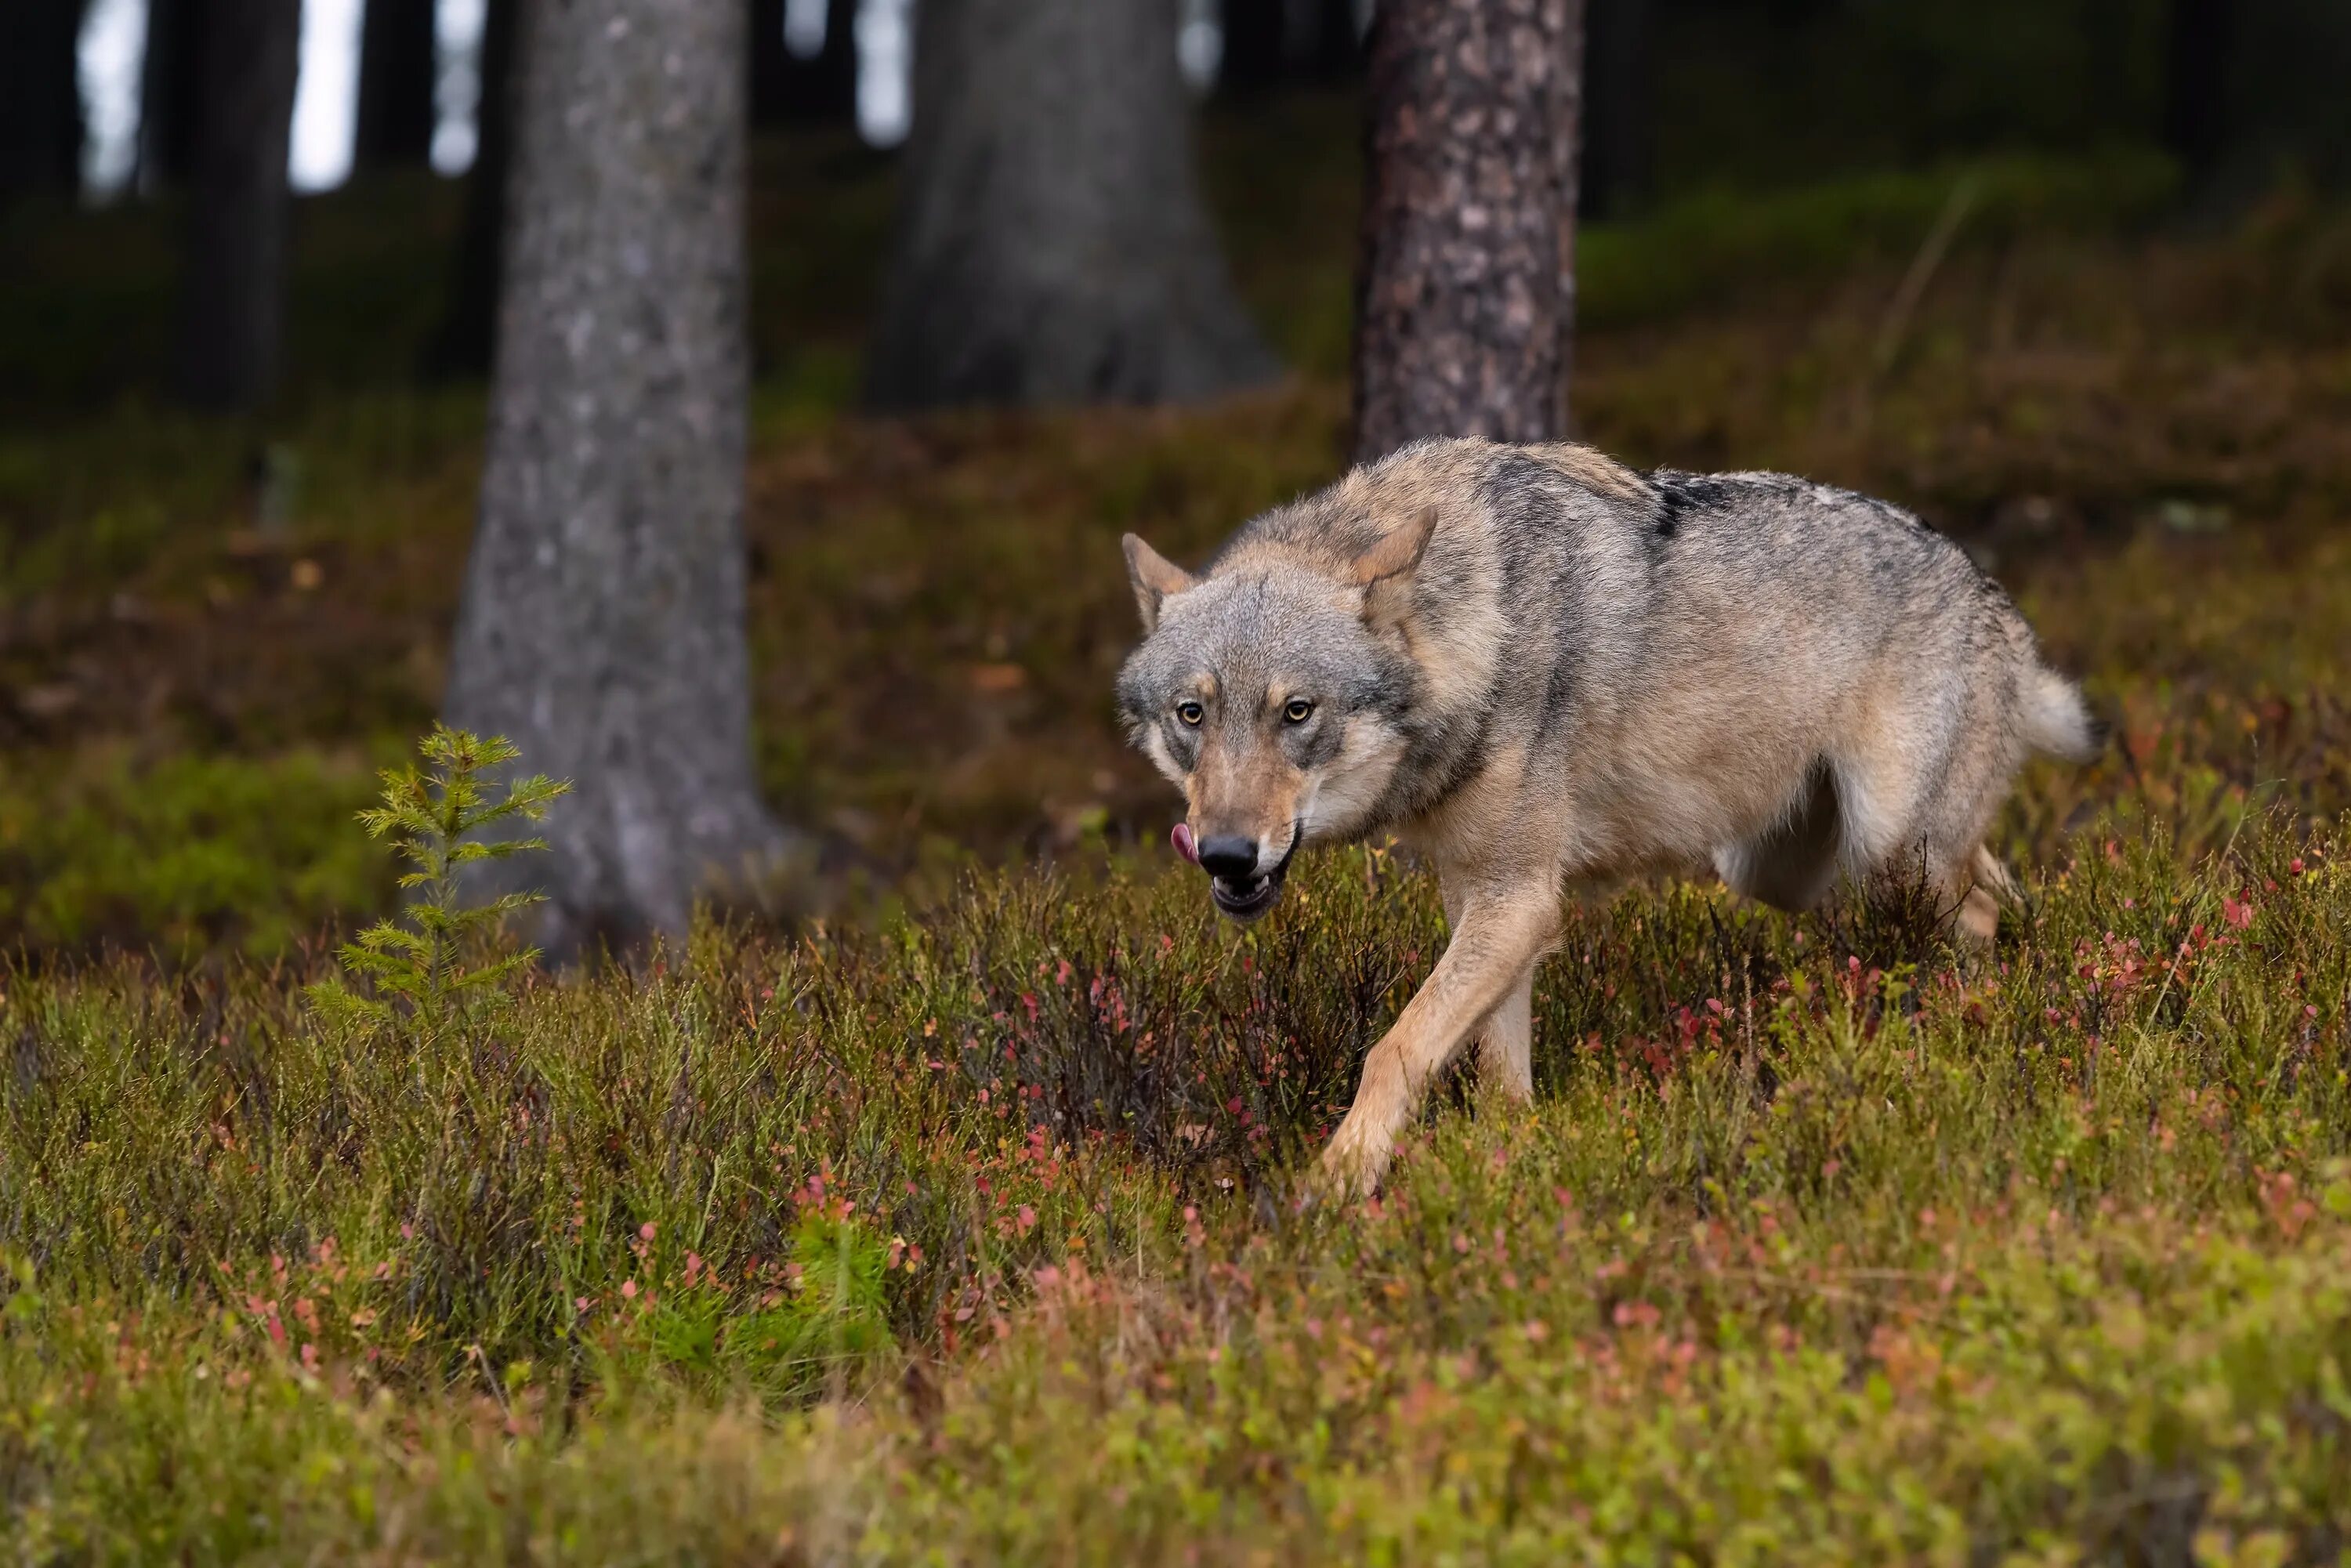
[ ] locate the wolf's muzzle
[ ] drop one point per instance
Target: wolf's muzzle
(1235, 891)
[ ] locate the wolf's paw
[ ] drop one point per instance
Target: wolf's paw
(1351, 1168)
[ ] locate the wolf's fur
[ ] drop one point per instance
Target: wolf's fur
(1542, 669)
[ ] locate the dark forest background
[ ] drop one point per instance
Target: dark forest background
(2045, 269)
(391, 272)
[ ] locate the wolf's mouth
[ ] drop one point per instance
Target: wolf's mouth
(1246, 900)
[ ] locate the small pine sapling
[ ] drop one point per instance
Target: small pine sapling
(433, 817)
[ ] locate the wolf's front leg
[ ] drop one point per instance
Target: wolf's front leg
(1494, 947)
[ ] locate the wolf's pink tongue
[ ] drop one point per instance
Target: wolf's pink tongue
(1180, 835)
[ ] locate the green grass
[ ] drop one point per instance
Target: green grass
(974, 1236)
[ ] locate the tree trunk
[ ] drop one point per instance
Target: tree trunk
(40, 98)
(1465, 298)
(2196, 85)
(233, 278)
(465, 341)
(771, 63)
(1052, 246)
(1619, 107)
(169, 85)
(395, 117)
(832, 92)
(601, 626)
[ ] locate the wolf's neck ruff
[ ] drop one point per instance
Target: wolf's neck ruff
(1540, 668)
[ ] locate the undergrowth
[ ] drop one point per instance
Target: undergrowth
(1817, 1243)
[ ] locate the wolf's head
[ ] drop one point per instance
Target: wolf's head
(1271, 692)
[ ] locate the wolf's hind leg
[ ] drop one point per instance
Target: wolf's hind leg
(1978, 919)
(1506, 1047)
(1506, 1043)
(1975, 917)
(1794, 865)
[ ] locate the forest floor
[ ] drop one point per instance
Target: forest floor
(958, 1225)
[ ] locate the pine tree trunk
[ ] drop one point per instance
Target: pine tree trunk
(40, 98)
(826, 86)
(465, 341)
(395, 118)
(1466, 299)
(770, 62)
(232, 280)
(171, 76)
(1052, 246)
(601, 626)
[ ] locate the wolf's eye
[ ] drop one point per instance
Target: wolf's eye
(1298, 710)
(1189, 713)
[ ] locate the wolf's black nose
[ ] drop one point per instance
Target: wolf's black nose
(1230, 857)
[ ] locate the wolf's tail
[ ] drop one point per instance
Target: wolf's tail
(2056, 720)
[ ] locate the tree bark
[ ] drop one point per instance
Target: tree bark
(602, 624)
(395, 117)
(1466, 296)
(40, 96)
(465, 343)
(233, 278)
(1052, 246)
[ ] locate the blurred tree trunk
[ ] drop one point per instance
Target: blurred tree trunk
(233, 272)
(1334, 51)
(1466, 296)
(40, 96)
(824, 89)
(771, 63)
(1052, 246)
(602, 627)
(1619, 107)
(395, 118)
(465, 341)
(2196, 85)
(2255, 90)
(788, 90)
(169, 75)
(1255, 56)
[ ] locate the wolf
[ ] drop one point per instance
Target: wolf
(1545, 672)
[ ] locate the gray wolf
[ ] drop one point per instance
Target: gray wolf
(1542, 671)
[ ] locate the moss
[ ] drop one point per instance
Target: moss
(184, 853)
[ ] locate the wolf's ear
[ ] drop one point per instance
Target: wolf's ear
(1154, 577)
(1385, 571)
